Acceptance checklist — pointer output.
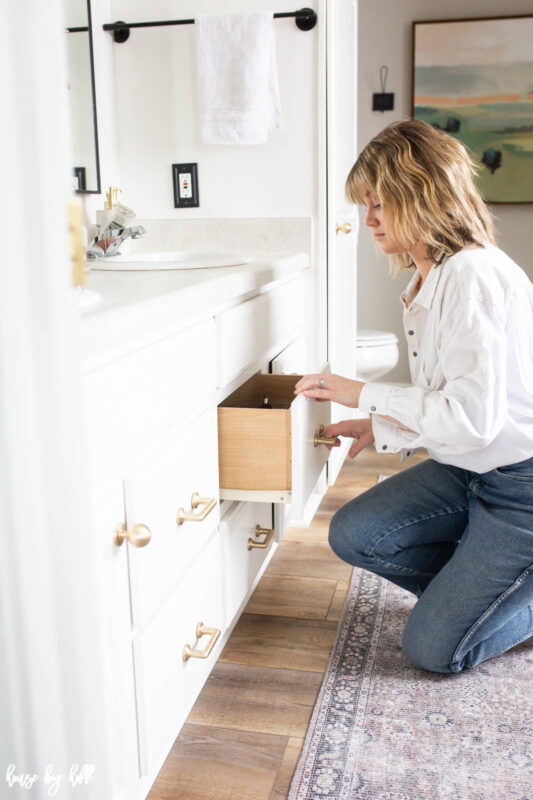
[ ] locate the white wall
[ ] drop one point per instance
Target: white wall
(157, 119)
(385, 38)
(146, 92)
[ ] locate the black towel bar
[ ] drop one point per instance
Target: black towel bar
(305, 19)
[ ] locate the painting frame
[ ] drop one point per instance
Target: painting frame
(497, 127)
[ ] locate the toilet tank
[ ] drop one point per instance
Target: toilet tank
(377, 354)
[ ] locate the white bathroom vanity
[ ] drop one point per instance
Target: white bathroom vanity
(165, 354)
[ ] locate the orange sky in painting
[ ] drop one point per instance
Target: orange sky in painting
(428, 100)
(489, 98)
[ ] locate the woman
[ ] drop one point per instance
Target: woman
(456, 529)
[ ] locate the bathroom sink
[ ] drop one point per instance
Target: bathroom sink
(175, 259)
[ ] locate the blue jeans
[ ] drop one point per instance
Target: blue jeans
(462, 542)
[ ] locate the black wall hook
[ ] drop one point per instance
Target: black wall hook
(383, 101)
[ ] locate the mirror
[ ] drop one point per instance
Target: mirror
(82, 97)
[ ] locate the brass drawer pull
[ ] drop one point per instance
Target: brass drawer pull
(258, 532)
(138, 535)
(201, 630)
(345, 228)
(319, 439)
(196, 500)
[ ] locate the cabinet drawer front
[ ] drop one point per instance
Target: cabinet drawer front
(308, 461)
(187, 464)
(166, 684)
(248, 331)
(269, 455)
(133, 401)
(242, 564)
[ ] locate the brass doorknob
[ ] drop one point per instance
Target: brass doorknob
(319, 439)
(345, 228)
(138, 535)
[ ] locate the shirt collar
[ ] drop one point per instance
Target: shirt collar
(426, 293)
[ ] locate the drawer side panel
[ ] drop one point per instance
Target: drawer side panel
(255, 448)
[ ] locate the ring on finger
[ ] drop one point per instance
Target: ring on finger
(321, 383)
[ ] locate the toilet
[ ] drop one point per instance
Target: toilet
(377, 353)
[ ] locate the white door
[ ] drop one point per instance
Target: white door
(52, 705)
(341, 154)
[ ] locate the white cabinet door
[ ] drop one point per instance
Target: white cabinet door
(166, 483)
(166, 684)
(242, 562)
(107, 512)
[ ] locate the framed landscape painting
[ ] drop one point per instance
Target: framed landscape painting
(474, 79)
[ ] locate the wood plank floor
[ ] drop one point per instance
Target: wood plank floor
(245, 732)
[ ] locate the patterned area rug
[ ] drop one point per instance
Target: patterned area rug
(383, 729)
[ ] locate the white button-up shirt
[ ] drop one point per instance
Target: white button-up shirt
(469, 331)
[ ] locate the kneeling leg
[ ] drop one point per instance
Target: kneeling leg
(405, 528)
(481, 602)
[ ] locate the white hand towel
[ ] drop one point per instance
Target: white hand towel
(238, 78)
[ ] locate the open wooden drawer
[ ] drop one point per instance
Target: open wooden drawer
(270, 455)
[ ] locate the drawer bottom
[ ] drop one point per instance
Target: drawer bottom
(257, 495)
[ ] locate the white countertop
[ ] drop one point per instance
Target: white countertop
(139, 306)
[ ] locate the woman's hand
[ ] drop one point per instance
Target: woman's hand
(358, 429)
(330, 387)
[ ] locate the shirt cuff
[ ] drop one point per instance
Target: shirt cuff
(390, 438)
(374, 397)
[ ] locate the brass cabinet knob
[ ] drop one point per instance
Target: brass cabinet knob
(208, 502)
(201, 630)
(345, 228)
(138, 535)
(319, 439)
(259, 531)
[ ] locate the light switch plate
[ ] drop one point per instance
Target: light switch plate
(185, 181)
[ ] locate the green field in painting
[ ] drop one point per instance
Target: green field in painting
(494, 125)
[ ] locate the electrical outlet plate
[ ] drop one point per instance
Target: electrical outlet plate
(185, 181)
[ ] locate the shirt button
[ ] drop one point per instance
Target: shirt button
(384, 446)
(410, 333)
(415, 354)
(372, 408)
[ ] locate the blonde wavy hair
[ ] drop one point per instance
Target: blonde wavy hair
(425, 183)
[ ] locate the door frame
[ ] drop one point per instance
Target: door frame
(334, 8)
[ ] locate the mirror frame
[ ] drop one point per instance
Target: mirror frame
(95, 118)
